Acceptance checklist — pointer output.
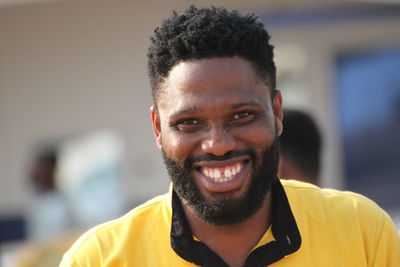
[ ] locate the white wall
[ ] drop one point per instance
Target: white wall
(72, 67)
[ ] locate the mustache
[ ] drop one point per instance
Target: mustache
(211, 157)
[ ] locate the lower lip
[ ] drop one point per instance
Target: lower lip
(218, 187)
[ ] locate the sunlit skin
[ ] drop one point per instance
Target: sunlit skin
(213, 106)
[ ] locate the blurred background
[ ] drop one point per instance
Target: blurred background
(76, 145)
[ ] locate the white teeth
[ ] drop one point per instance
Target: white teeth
(222, 180)
(238, 168)
(221, 175)
(211, 174)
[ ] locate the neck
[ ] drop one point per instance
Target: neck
(220, 238)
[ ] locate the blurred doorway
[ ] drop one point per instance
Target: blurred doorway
(368, 103)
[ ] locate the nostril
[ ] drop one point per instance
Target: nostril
(218, 144)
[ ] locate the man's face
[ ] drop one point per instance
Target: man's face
(217, 128)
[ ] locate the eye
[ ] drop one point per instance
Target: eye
(189, 121)
(188, 125)
(242, 117)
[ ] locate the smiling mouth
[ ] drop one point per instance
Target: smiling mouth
(223, 173)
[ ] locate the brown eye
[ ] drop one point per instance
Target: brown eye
(242, 118)
(241, 115)
(189, 122)
(188, 125)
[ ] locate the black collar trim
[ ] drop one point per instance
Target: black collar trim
(284, 229)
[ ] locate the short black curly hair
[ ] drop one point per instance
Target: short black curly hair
(205, 33)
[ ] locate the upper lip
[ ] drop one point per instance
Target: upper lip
(220, 163)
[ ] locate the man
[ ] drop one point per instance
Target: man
(217, 117)
(300, 147)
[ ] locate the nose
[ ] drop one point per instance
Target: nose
(218, 142)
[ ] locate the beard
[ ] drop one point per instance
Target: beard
(226, 211)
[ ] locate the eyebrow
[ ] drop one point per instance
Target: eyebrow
(242, 104)
(187, 111)
(195, 109)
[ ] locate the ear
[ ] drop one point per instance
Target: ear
(155, 120)
(278, 111)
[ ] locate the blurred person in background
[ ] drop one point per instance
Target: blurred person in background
(216, 117)
(49, 217)
(300, 147)
(49, 214)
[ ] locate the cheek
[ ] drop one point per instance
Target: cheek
(258, 135)
(178, 146)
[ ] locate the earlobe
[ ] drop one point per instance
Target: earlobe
(155, 120)
(278, 111)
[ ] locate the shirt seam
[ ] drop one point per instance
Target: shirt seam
(380, 238)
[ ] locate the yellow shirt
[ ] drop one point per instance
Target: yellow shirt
(336, 229)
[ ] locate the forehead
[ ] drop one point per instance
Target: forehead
(212, 81)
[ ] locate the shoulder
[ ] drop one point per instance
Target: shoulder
(334, 208)
(322, 197)
(342, 215)
(134, 217)
(340, 212)
(114, 233)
